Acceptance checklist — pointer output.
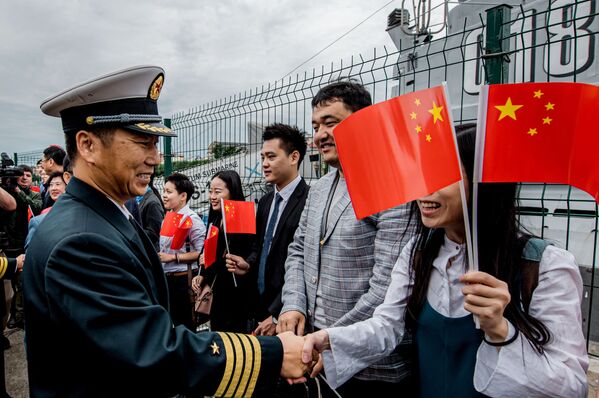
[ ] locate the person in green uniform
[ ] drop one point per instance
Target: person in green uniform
(96, 299)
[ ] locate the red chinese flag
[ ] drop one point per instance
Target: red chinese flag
(239, 217)
(210, 245)
(396, 151)
(29, 213)
(181, 233)
(541, 132)
(171, 221)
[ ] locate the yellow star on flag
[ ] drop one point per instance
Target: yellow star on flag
(413, 115)
(532, 132)
(538, 94)
(417, 102)
(436, 112)
(549, 106)
(508, 109)
(418, 129)
(215, 348)
(547, 120)
(227, 208)
(213, 233)
(428, 138)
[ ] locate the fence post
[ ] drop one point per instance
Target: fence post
(168, 156)
(497, 45)
(16, 158)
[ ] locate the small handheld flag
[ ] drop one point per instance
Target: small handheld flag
(210, 245)
(398, 150)
(181, 233)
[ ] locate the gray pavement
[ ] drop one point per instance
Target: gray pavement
(16, 365)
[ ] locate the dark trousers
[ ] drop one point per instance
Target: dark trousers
(353, 388)
(367, 388)
(179, 301)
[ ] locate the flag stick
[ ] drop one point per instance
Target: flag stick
(202, 252)
(222, 208)
(472, 258)
(478, 164)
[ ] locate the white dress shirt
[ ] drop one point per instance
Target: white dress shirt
(516, 370)
(285, 194)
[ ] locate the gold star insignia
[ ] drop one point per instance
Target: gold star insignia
(418, 129)
(215, 348)
(547, 120)
(436, 112)
(549, 106)
(532, 132)
(417, 102)
(538, 94)
(428, 138)
(227, 208)
(413, 115)
(508, 109)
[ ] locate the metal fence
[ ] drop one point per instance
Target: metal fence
(543, 41)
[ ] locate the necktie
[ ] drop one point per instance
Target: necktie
(270, 229)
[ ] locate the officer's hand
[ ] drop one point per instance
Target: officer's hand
(293, 367)
(237, 265)
(291, 321)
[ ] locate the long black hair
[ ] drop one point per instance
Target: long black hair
(500, 245)
(233, 183)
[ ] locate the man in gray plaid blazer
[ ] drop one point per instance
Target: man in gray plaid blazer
(338, 268)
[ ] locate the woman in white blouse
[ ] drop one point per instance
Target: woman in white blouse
(526, 346)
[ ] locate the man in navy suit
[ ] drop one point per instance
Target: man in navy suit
(283, 150)
(96, 300)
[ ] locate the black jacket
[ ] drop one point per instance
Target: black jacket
(97, 323)
(274, 274)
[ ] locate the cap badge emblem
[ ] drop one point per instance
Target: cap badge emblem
(156, 87)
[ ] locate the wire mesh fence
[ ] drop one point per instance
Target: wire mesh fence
(537, 41)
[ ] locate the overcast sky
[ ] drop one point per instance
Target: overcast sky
(209, 49)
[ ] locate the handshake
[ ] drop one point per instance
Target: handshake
(301, 355)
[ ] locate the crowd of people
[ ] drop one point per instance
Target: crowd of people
(316, 303)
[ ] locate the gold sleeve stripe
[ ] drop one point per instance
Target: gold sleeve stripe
(239, 366)
(3, 266)
(230, 358)
(249, 349)
(257, 364)
(249, 363)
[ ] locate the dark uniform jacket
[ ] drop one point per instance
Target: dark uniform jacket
(269, 303)
(96, 316)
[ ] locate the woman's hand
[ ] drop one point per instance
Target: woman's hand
(196, 282)
(487, 297)
(167, 257)
(201, 259)
(237, 265)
